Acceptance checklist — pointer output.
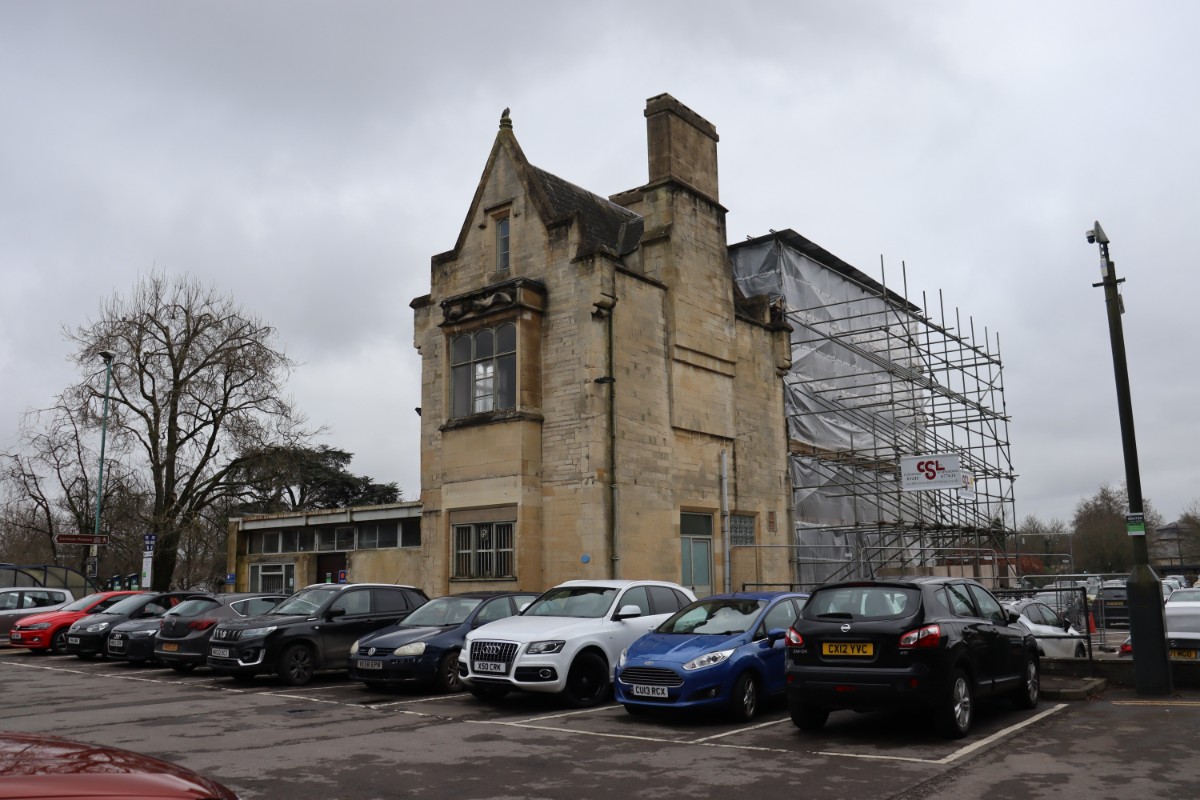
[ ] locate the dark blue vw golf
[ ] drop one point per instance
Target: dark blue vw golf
(423, 648)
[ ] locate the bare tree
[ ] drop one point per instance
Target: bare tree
(195, 381)
(48, 489)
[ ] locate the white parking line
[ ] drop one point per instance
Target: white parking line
(415, 700)
(569, 713)
(739, 730)
(957, 754)
(655, 739)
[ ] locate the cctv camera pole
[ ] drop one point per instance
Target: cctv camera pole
(1151, 666)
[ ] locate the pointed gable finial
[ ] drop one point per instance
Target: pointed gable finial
(505, 121)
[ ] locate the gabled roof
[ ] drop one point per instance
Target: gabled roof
(603, 225)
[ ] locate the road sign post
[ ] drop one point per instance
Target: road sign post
(80, 538)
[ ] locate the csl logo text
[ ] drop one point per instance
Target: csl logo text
(930, 469)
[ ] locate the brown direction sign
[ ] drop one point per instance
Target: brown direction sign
(77, 538)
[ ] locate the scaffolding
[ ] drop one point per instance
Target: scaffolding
(875, 377)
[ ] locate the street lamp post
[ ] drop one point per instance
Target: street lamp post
(1151, 666)
(108, 359)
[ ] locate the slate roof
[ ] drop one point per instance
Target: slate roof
(603, 225)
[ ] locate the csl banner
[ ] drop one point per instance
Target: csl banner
(925, 473)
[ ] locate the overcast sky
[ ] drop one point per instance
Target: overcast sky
(308, 158)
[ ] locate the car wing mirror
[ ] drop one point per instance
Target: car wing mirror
(334, 613)
(1013, 618)
(775, 634)
(628, 612)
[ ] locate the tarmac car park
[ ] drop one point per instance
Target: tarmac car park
(336, 738)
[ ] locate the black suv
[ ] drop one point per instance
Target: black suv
(311, 630)
(929, 643)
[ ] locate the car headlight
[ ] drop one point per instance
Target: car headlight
(411, 649)
(354, 648)
(97, 627)
(708, 660)
(544, 648)
(142, 634)
(257, 633)
(37, 626)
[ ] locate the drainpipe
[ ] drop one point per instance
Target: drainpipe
(604, 308)
(725, 517)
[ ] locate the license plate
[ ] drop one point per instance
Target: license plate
(170, 647)
(847, 649)
(116, 644)
(72, 640)
(220, 652)
(14, 635)
(647, 691)
(491, 666)
(1189, 655)
(364, 664)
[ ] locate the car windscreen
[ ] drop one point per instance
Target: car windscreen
(306, 601)
(861, 602)
(193, 607)
(127, 605)
(717, 617)
(573, 601)
(82, 604)
(443, 611)
(1185, 596)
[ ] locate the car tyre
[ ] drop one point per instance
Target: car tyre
(182, 666)
(743, 700)
(1026, 695)
(807, 717)
(296, 666)
(1080, 651)
(58, 642)
(488, 692)
(958, 708)
(447, 679)
(587, 681)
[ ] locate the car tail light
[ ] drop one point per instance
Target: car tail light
(928, 636)
(793, 639)
(201, 624)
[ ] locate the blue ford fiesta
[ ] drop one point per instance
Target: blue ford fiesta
(724, 651)
(423, 648)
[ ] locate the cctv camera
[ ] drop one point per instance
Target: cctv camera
(1091, 237)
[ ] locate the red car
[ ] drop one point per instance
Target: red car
(48, 632)
(36, 766)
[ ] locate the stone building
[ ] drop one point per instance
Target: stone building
(611, 390)
(597, 400)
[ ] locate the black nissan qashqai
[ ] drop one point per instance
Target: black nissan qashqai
(312, 630)
(931, 644)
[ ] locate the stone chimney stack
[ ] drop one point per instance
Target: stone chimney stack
(682, 146)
